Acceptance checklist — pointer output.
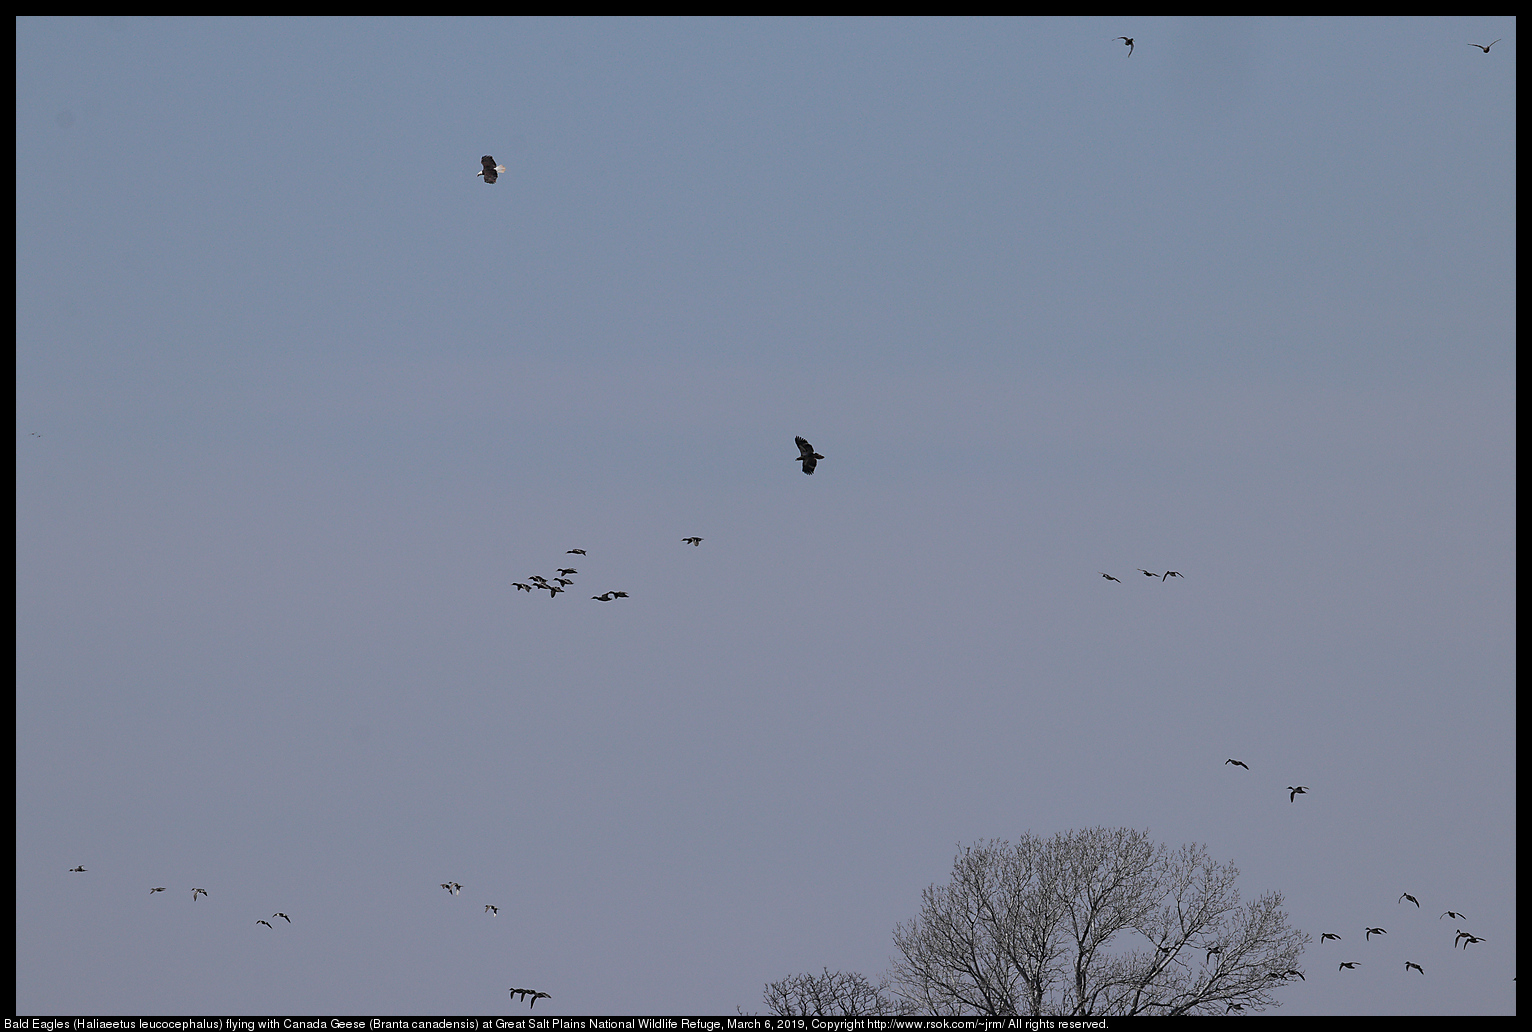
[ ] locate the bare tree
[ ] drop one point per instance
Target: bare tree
(847, 994)
(1101, 921)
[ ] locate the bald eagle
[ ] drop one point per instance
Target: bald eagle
(807, 455)
(491, 170)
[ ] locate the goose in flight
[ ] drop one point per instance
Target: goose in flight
(1172, 573)
(490, 908)
(1454, 914)
(1237, 763)
(1128, 42)
(1290, 972)
(1468, 939)
(1146, 573)
(197, 892)
(1108, 576)
(1294, 793)
(1348, 964)
(568, 571)
(160, 889)
(691, 541)
(1327, 935)
(283, 917)
(524, 993)
(575, 551)
(607, 597)
(807, 455)
(77, 870)
(266, 923)
(452, 887)
(1411, 964)
(564, 581)
(1413, 900)
(491, 170)
(1484, 48)
(1375, 931)
(520, 586)
(537, 578)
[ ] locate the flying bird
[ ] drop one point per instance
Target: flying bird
(196, 892)
(1348, 964)
(160, 889)
(1411, 964)
(1327, 935)
(283, 917)
(1455, 914)
(1237, 763)
(1108, 576)
(491, 170)
(619, 594)
(266, 923)
(1293, 971)
(490, 908)
(1413, 900)
(807, 455)
(1483, 47)
(1468, 939)
(1375, 931)
(692, 541)
(568, 571)
(575, 551)
(1146, 573)
(1171, 573)
(452, 887)
(564, 581)
(77, 870)
(1128, 42)
(1296, 792)
(520, 586)
(524, 993)
(607, 597)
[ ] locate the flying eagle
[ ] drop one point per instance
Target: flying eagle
(491, 170)
(807, 455)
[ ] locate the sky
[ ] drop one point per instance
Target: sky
(299, 399)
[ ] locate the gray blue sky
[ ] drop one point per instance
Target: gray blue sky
(311, 397)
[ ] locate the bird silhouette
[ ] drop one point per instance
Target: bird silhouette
(197, 892)
(1468, 939)
(520, 586)
(1294, 793)
(606, 597)
(491, 170)
(1375, 931)
(490, 908)
(266, 923)
(1290, 972)
(1237, 763)
(1171, 573)
(1145, 572)
(78, 870)
(1348, 964)
(1128, 42)
(1212, 950)
(807, 455)
(283, 917)
(537, 578)
(1484, 48)
(564, 581)
(1411, 964)
(1413, 900)
(1454, 914)
(524, 993)
(691, 541)
(1327, 935)
(567, 572)
(160, 889)
(1108, 576)
(619, 594)
(575, 551)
